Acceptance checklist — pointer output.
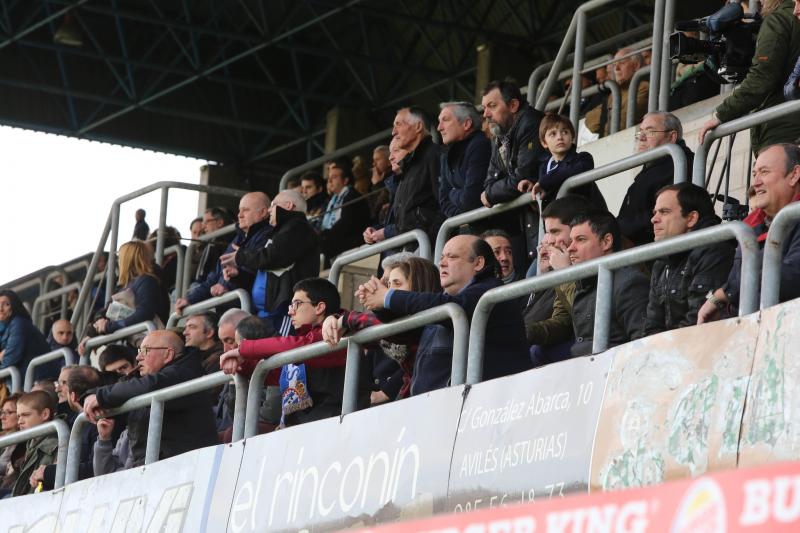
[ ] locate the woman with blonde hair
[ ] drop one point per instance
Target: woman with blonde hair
(142, 296)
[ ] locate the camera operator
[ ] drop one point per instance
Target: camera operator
(777, 50)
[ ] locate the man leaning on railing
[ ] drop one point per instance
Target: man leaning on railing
(776, 182)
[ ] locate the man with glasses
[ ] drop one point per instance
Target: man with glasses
(657, 128)
(188, 421)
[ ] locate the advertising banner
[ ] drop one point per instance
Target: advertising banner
(35, 513)
(764, 499)
(673, 405)
(771, 425)
(382, 464)
(529, 436)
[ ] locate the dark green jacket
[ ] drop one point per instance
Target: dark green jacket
(41, 451)
(777, 50)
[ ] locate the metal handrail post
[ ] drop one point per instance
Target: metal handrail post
(65, 352)
(241, 385)
(133, 329)
(656, 58)
(36, 315)
(604, 171)
(734, 126)
(237, 294)
(351, 371)
(665, 82)
(74, 449)
(577, 66)
(450, 311)
(88, 281)
(181, 259)
(13, 373)
(57, 426)
(602, 309)
(154, 431)
(368, 250)
(471, 216)
(345, 150)
(704, 237)
(616, 104)
(187, 273)
(111, 264)
(162, 225)
(633, 88)
(773, 254)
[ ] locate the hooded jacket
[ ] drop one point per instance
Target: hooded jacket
(679, 283)
(640, 200)
(628, 309)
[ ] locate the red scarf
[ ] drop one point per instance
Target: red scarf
(758, 217)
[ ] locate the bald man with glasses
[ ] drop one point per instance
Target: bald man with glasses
(188, 422)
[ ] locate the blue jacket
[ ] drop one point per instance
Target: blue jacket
(22, 341)
(254, 239)
(463, 171)
(150, 299)
(573, 164)
(506, 349)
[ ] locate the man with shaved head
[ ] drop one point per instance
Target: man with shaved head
(188, 421)
(290, 254)
(467, 269)
(252, 234)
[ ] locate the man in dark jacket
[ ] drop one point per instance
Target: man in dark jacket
(679, 283)
(594, 235)
(516, 156)
(466, 161)
(657, 128)
(188, 421)
(467, 270)
(290, 255)
(252, 233)
(346, 215)
(777, 184)
(777, 50)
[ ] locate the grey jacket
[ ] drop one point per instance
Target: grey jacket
(628, 309)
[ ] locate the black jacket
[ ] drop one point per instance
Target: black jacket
(506, 350)
(291, 253)
(628, 309)
(573, 164)
(679, 283)
(637, 206)
(415, 204)
(524, 156)
(347, 232)
(463, 171)
(188, 421)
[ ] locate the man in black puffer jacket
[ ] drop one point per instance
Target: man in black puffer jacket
(188, 421)
(516, 156)
(679, 283)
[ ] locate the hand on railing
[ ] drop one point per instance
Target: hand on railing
(372, 235)
(92, 409)
(525, 186)
(332, 330)
(372, 293)
(180, 304)
(709, 125)
(231, 362)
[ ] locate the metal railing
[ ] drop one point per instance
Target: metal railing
(66, 353)
(603, 268)
(237, 294)
(111, 230)
(353, 343)
(155, 401)
(773, 253)
(181, 259)
(57, 426)
(368, 250)
(734, 126)
(36, 313)
(94, 342)
(13, 373)
(616, 102)
(665, 79)
(480, 213)
(187, 265)
(633, 88)
(672, 150)
(345, 150)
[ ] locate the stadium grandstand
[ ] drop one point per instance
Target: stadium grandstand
(460, 266)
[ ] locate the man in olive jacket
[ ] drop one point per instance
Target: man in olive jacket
(188, 421)
(777, 50)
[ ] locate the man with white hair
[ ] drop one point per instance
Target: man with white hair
(290, 254)
(464, 165)
(626, 63)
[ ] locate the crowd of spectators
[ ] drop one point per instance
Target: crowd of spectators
(485, 158)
